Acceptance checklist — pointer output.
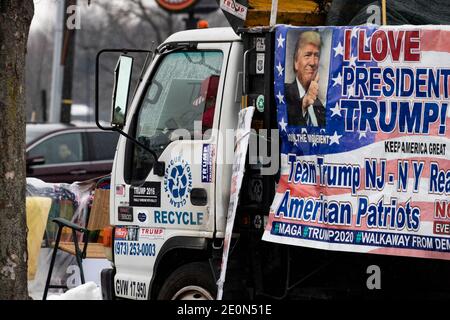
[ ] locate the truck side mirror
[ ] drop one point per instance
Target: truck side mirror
(122, 82)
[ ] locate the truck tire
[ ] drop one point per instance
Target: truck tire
(193, 281)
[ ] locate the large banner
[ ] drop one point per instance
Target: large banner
(364, 119)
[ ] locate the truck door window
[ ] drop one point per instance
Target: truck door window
(182, 91)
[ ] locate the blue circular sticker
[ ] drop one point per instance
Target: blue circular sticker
(142, 216)
(178, 181)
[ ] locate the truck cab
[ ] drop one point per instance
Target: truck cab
(188, 100)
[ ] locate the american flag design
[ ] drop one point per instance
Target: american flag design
(376, 178)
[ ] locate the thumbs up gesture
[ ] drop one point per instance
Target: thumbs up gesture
(312, 93)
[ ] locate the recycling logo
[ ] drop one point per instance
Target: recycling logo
(178, 181)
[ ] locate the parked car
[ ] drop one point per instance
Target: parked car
(67, 153)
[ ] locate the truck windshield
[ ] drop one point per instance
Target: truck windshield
(182, 91)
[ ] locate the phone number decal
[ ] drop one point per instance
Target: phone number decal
(134, 249)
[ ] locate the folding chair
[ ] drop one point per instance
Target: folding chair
(96, 219)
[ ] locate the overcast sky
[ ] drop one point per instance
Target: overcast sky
(44, 11)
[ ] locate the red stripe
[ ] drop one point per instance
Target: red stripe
(314, 191)
(411, 253)
(434, 131)
(300, 190)
(435, 40)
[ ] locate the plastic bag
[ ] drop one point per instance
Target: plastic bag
(46, 201)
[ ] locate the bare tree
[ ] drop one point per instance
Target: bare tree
(151, 21)
(108, 24)
(15, 19)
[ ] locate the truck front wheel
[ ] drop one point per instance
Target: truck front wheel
(193, 281)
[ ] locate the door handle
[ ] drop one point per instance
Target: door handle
(75, 172)
(199, 197)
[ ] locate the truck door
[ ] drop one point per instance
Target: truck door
(177, 116)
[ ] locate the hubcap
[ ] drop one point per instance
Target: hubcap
(192, 293)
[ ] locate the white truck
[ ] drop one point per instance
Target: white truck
(171, 179)
(176, 213)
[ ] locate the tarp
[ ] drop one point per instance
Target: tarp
(398, 12)
(250, 13)
(374, 176)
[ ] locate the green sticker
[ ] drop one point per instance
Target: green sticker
(260, 103)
